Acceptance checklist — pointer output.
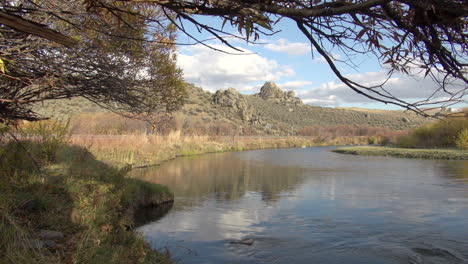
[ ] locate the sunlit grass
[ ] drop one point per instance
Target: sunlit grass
(449, 154)
(141, 150)
(91, 203)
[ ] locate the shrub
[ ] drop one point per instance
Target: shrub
(462, 140)
(441, 134)
(52, 134)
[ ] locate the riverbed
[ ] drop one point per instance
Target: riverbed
(310, 206)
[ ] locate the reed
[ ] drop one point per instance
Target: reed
(144, 149)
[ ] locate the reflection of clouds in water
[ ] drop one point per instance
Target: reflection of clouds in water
(230, 223)
(236, 224)
(362, 205)
(398, 188)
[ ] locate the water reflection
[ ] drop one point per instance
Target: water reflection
(222, 176)
(312, 206)
(144, 215)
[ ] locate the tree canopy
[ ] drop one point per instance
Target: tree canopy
(427, 37)
(126, 75)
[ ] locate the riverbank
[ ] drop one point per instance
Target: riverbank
(447, 154)
(71, 208)
(78, 189)
(147, 150)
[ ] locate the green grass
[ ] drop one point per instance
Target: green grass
(448, 154)
(91, 203)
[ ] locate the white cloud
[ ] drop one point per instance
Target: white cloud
(215, 70)
(294, 85)
(406, 88)
(330, 100)
(291, 48)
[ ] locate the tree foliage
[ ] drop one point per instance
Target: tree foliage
(126, 75)
(422, 37)
(412, 37)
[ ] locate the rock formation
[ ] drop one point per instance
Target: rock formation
(270, 91)
(236, 102)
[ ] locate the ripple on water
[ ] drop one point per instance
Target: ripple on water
(312, 206)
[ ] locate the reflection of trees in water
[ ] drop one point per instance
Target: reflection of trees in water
(455, 169)
(144, 215)
(223, 175)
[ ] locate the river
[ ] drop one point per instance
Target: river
(310, 206)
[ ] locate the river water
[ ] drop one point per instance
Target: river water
(310, 206)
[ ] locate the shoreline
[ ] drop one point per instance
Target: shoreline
(96, 212)
(88, 207)
(444, 154)
(139, 151)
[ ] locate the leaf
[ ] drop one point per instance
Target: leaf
(361, 33)
(264, 24)
(248, 28)
(2, 66)
(224, 22)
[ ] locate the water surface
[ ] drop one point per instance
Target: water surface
(311, 206)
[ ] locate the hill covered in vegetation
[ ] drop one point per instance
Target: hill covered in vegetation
(270, 112)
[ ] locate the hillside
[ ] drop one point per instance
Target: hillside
(272, 112)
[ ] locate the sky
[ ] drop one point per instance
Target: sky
(287, 59)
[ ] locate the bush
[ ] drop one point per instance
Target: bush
(52, 134)
(462, 140)
(441, 134)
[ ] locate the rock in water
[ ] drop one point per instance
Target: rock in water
(245, 241)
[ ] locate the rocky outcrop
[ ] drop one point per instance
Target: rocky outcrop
(270, 91)
(236, 102)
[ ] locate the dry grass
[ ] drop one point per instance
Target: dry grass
(444, 133)
(200, 116)
(91, 203)
(142, 150)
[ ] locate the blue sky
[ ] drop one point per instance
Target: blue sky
(286, 59)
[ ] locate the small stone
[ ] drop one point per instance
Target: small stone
(36, 243)
(49, 234)
(50, 243)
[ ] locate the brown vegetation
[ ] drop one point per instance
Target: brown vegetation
(199, 116)
(445, 133)
(142, 150)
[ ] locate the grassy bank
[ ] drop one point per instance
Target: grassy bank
(76, 185)
(449, 154)
(143, 150)
(66, 190)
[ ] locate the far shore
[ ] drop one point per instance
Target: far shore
(446, 154)
(148, 150)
